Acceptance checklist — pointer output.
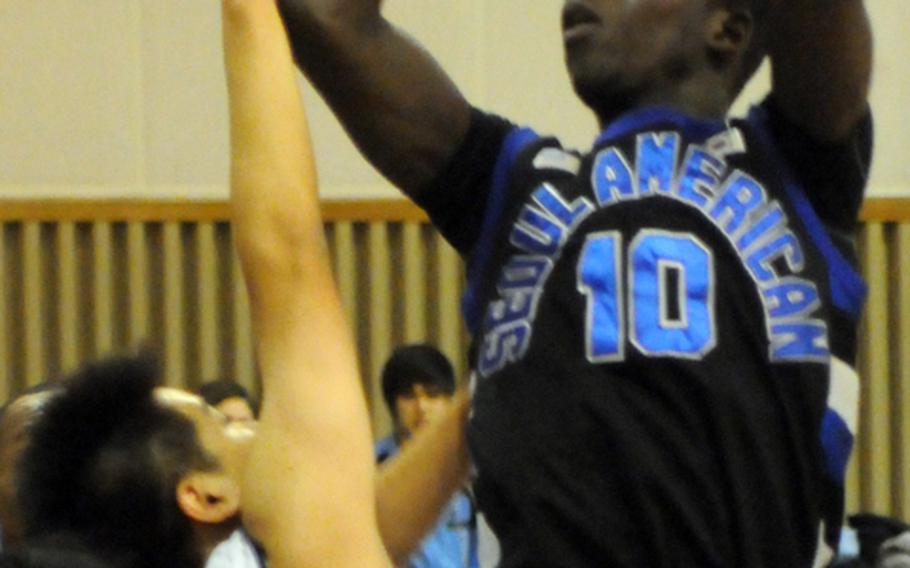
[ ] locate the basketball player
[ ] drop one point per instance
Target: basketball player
(665, 325)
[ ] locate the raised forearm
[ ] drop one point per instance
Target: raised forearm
(273, 182)
(414, 488)
(397, 104)
(304, 18)
(821, 55)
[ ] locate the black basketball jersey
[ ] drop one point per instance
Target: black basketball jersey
(664, 331)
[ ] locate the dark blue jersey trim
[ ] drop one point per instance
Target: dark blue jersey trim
(641, 119)
(848, 290)
(514, 143)
(837, 444)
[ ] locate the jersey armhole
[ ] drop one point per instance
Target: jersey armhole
(848, 289)
(517, 140)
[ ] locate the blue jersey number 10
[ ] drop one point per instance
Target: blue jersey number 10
(670, 300)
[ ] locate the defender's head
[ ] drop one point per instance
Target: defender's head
(16, 421)
(132, 468)
(417, 383)
(622, 54)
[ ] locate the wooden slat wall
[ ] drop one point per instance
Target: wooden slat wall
(86, 279)
(880, 475)
(81, 279)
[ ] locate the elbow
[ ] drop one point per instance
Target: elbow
(277, 243)
(325, 30)
(312, 21)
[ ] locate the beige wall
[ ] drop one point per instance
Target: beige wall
(124, 98)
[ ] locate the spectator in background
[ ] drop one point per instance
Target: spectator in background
(16, 421)
(232, 399)
(418, 384)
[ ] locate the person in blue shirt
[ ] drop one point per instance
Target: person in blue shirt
(418, 384)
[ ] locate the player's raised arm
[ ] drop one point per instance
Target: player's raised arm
(309, 485)
(821, 55)
(414, 487)
(399, 106)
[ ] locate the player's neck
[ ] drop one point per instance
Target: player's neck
(705, 97)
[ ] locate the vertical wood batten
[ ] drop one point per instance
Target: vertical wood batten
(380, 314)
(853, 498)
(346, 268)
(415, 284)
(449, 331)
(103, 289)
(33, 304)
(68, 299)
(244, 370)
(138, 283)
(875, 428)
(6, 386)
(207, 302)
(901, 269)
(174, 332)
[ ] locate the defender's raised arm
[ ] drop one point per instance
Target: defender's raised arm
(821, 54)
(399, 106)
(308, 489)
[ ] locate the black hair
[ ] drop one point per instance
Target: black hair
(216, 392)
(104, 463)
(416, 364)
(57, 551)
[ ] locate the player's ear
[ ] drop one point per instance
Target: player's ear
(728, 32)
(208, 497)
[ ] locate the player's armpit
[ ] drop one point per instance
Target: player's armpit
(821, 55)
(399, 106)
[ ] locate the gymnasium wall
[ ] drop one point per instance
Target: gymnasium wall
(86, 278)
(125, 98)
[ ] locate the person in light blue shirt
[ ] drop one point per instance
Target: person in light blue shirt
(418, 383)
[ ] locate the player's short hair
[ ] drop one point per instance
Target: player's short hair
(416, 364)
(216, 392)
(104, 462)
(56, 551)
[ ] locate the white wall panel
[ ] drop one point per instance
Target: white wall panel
(68, 113)
(185, 110)
(125, 98)
(890, 96)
